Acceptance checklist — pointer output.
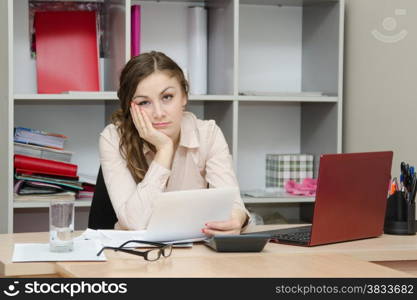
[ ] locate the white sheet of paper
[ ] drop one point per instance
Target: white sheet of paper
(181, 215)
(114, 238)
(84, 250)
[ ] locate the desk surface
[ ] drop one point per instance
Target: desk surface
(350, 259)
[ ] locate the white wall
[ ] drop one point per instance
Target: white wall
(380, 98)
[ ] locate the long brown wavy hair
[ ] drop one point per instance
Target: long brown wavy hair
(137, 69)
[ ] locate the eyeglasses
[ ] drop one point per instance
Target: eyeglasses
(161, 249)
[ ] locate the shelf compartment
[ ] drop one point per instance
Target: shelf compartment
(289, 46)
(81, 122)
(36, 219)
(220, 42)
(111, 61)
(284, 127)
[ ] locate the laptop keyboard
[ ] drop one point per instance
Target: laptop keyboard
(297, 235)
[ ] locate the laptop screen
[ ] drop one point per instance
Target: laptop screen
(351, 196)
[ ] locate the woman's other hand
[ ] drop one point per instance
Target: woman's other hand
(232, 226)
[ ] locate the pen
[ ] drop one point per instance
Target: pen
(402, 183)
(413, 189)
(405, 175)
(395, 181)
(392, 189)
(411, 208)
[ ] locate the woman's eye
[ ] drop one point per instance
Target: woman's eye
(143, 102)
(167, 97)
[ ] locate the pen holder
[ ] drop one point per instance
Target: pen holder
(400, 215)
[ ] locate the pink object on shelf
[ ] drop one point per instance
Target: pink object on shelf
(135, 30)
(306, 188)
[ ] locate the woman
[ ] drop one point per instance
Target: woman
(154, 146)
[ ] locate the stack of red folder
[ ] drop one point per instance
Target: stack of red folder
(33, 165)
(38, 176)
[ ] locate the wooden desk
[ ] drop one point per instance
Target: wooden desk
(385, 256)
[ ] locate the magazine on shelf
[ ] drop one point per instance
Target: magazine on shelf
(42, 152)
(39, 137)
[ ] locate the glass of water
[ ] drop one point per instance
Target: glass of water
(61, 225)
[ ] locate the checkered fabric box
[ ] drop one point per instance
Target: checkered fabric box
(283, 167)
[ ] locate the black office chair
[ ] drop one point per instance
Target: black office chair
(102, 215)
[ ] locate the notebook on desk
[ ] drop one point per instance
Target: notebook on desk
(350, 200)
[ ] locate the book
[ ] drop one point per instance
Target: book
(135, 30)
(84, 195)
(65, 183)
(42, 152)
(34, 165)
(39, 137)
(67, 55)
(27, 187)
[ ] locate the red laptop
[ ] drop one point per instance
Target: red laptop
(350, 201)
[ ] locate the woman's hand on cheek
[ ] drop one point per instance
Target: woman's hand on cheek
(146, 130)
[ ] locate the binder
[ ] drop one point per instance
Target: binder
(135, 30)
(67, 51)
(34, 165)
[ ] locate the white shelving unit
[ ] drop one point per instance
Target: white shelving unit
(39, 204)
(294, 199)
(274, 83)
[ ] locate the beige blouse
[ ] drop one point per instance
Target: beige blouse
(201, 160)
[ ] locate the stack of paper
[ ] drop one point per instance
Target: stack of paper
(84, 250)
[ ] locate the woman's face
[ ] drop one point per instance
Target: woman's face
(162, 98)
